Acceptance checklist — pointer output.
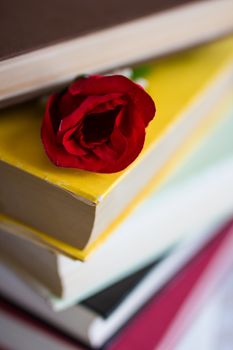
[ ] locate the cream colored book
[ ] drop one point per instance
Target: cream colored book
(42, 49)
(76, 210)
(198, 195)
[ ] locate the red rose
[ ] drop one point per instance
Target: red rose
(97, 124)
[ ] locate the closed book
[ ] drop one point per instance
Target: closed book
(198, 193)
(22, 332)
(77, 210)
(46, 45)
(165, 319)
(95, 319)
(158, 325)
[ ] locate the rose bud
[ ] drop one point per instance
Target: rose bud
(97, 124)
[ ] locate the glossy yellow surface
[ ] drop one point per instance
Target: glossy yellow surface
(165, 173)
(173, 83)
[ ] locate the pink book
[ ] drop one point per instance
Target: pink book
(164, 319)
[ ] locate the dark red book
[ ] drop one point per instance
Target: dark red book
(47, 44)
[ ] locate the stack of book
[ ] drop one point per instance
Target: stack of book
(123, 260)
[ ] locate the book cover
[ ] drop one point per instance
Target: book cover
(199, 193)
(195, 70)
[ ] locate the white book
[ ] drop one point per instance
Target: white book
(19, 334)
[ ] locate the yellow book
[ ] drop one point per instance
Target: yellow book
(74, 210)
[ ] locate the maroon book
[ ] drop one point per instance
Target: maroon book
(46, 44)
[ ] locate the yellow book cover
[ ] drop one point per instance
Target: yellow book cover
(185, 88)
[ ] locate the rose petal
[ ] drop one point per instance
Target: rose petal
(117, 83)
(72, 145)
(63, 137)
(105, 153)
(69, 103)
(134, 146)
(86, 107)
(97, 127)
(48, 135)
